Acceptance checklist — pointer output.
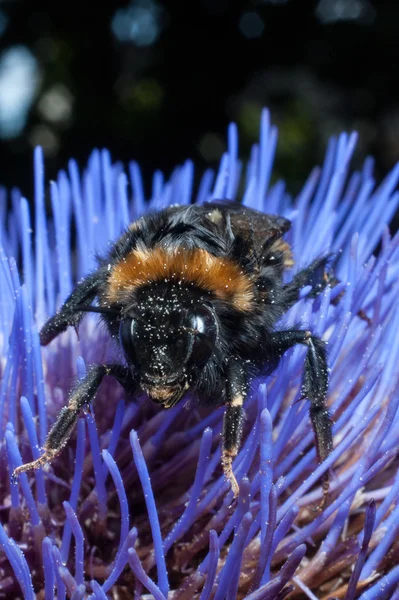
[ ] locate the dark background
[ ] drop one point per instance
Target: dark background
(160, 81)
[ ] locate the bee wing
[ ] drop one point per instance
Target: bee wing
(223, 219)
(249, 223)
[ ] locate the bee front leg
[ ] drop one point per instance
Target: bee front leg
(69, 315)
(234, 416)
(79, 397)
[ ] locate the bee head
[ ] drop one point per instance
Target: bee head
(167, 341)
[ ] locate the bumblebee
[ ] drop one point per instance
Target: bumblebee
(192, 295)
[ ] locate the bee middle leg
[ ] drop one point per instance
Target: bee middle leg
(79, 397)
(234, 416)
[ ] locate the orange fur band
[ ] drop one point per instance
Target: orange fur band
(221, 276)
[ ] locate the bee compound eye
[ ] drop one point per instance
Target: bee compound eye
(203, 322)
(126, 339)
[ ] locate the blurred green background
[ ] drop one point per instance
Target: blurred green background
(159, 81)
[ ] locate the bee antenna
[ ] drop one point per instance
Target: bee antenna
(132, 312)
(97, 309)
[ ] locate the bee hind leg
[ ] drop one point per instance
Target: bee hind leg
(314, 388)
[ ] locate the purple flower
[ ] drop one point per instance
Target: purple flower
(137, 504)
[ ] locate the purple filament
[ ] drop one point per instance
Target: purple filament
(18, 563)
(277, 473)
(138, 200)
(204, 188)
(263, 569)
(386, 503)
(57, 562)
(347, 492)
(41, 402)
(189, 514)
(383, 588)
(266, 469)
(79, 593)
(152, 512)
(99, 593)
(121, 560)
(391, 524)
(31, 431)
(116, 429)
(48, 568)
(15, 461)
(270, 590)
(120, 490)
(213, 556)
(142, 576)
(368, 530)
(328, 462)
(97, 465)
(228, 577)
(68, 580)
(75, 488)
(79, 542)
(234, 522)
